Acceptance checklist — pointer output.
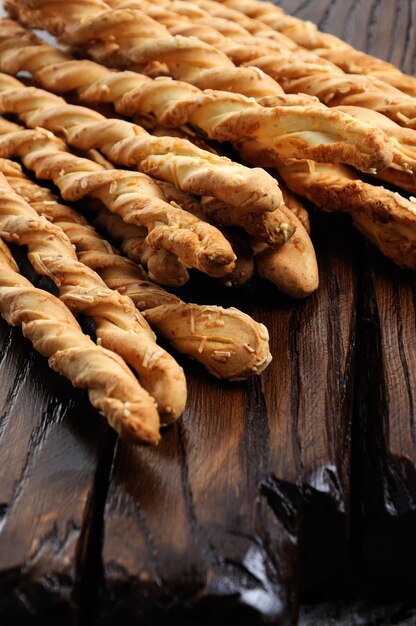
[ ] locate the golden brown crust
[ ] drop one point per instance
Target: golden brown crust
(307, 131)
(173, 159)
(386, 218)
(315, 132)
(299, 70)
(294, 272)
(292, 268)
(243, 269)
(234, 354)
(118, 324)
(54, 332)
(120, 274)
(307, 35)
(191, 60)
(138, 200)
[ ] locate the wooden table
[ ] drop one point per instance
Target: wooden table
(301, 481)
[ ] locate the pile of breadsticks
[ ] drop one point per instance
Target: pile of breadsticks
(153, 91)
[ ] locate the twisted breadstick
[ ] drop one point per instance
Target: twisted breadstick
(39, 108)
(221, 116)
(118, 324)
(296, 131)
(292, 267)
(140, 40)
(386, 218)
(402, 171)
(403, 155)
(176, 160)
(244, 263)
(299, 71)
(307, 35)
(163, 267)
(48, 324)
(205, 339)
(138, 200)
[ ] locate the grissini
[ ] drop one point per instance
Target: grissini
(194, 241)
(203, 332)
(132, 195)
(307, 35)
(385, 217)
(54, 332)
(141, 41)
(298, 71)
(172, 159)
(162, 266)
(243, 269)
(119, 326)
(345, 140)
(292, 268)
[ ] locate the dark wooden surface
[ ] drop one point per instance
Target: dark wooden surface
(304, 479)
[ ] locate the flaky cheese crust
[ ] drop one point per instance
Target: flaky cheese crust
(243, 269)
(402, 171)
(140, 41)
(307, 35)
(300, 70)
(176, 160)
(219, 115)
(138, 200)
(385, 217)
(292, 268)
(162, 266)
(54, 332)
(118, 324)
(173, 318)
(307, 131)
(233, 346)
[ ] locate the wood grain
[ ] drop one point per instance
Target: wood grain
(215, 514)
(385, 425)
(252, 490)
(50, 442)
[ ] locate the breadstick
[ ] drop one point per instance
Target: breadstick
(167, 269)
(402, 171)
(135, 197)
(163, 267)
(292, 268)
(54, 332)
(302, 71)
(39, 108)
(140, 40)
(244, 264)
(307, 35)
(118, 324)
(221, 116)
(173, 318)
(254, 26)
(386, 218)
(172, 159)
(309, 130)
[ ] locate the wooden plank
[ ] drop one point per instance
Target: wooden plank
(50, 441)
(384, 466)
(214, 513)
(386, 426)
